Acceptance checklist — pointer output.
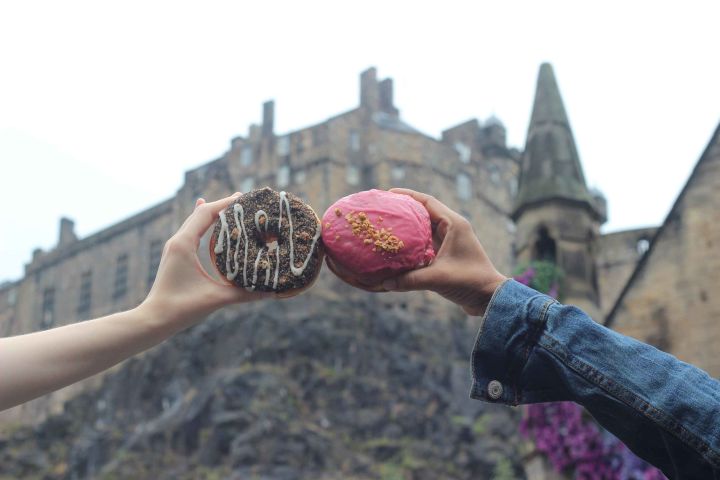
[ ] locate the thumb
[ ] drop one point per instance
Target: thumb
(412, 280)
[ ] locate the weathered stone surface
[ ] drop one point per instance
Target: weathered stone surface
(617, 256)
(354, 392)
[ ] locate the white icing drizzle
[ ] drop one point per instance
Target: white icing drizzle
(231, 273)
(257, 262)
(226, 234)
(258, 214)
(238, 208)
(297, 271)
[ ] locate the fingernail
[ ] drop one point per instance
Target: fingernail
(236, 194)
(389, 284)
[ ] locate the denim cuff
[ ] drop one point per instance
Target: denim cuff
(509, 330)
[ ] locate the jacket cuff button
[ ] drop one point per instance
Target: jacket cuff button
(494, 389)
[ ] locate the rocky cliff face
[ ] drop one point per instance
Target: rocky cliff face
(334, 391)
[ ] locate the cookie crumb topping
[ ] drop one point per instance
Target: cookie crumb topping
(379, 238)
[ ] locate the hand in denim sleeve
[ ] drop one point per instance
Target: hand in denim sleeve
(532, 349)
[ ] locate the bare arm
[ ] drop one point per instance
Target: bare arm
(183, 294)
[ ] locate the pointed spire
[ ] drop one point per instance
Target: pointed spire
(551, 166)
(548, 105)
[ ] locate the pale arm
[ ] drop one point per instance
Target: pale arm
(183, 294)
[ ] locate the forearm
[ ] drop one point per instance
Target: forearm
(37, 363)
(539, 350)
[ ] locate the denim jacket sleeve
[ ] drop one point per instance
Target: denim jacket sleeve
(530, 349)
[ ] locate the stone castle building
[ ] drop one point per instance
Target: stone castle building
(653, 283)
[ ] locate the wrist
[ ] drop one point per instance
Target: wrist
(157, 319)
(484, 294)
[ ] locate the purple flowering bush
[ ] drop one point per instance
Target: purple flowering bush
(573, 442)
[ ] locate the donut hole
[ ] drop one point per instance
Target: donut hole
(271, 245)
(268, 240)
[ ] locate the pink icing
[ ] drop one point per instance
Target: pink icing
(406, 216)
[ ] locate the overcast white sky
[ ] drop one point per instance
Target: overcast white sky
(103, 106)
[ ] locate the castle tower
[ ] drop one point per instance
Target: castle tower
(557, 217)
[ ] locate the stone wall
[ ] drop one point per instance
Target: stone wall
(671, 300)
(618, 254)
(8, 301)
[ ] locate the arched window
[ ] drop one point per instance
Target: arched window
(352, 174)
(283, 176)
(246, 155)
(545, 248)
(464, 186)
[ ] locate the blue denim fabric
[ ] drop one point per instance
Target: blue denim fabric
(531, 349)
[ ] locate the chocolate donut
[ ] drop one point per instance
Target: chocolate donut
(268, 241)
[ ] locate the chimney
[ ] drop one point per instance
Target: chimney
(67, 232)
(268, 118)
(369, 91)
(236, 142)
(254, 133)
(386, 97)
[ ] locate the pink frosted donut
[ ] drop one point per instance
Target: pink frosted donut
(377, 234)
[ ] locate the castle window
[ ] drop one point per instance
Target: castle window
(352, 175)
(354, 141)
(319, 135)
(121, 277)
(464, 187)
(247, 184)
(397, 173)
(463, 152)
(283, 146)
(495, 177)
(545, 248)
(85, 297)
(11, 296)
(300, 176)
(513, 186)
(246, 156)
(154, 260)
(642, 246)
(48, 308)
(283, 176)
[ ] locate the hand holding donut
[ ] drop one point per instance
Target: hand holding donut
(462, 271)
(181, 296)
(183, 293)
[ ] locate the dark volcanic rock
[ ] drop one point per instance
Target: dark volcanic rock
(353, 393)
